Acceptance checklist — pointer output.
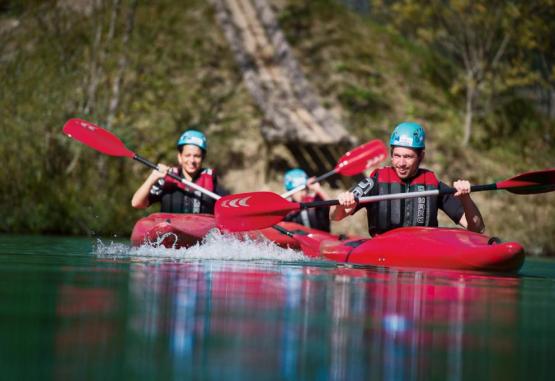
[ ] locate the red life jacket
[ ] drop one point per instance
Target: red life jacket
(205, 179)
(309, 198)
(179, 198)
(390, 214)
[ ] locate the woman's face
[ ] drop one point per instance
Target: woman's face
(299, 196)
(190, 159)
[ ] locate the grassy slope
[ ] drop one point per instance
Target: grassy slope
(182, 74)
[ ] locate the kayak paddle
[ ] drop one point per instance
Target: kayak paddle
(309, 245)
(255, 210)
(104, 141)
(352, 163)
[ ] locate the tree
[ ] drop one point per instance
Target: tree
(540, 21)
(479, 37)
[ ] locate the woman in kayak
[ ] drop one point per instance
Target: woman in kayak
(405, 175)
(316, 218)
(174, 196)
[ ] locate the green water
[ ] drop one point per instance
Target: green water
(71, 309)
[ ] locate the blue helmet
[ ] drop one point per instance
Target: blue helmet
(408, 134)
(294, 178)
(193, 137)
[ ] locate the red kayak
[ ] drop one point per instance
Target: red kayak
(415, 247)
(184, 230)
(422, 247)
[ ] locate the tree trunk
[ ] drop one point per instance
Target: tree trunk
(469, 109)
(122, 63)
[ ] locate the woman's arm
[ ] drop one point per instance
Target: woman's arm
(140, 198)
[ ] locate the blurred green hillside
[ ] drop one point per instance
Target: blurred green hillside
(147, 71)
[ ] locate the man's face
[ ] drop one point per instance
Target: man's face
(406, 161)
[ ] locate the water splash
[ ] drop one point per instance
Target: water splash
(215, 246)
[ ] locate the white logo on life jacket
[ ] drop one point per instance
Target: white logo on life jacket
(236, 202)
(421, 210)
(420, 205)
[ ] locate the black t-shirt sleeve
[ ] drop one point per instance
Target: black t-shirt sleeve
(155, 193)
(365, 187)
(450, 204)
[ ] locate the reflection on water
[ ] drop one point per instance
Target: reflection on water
(131, 317)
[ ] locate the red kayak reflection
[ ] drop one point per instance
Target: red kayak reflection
(400, 321)
(298, 321)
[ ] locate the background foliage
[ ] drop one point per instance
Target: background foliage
(149, 70)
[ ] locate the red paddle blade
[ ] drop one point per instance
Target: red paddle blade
(530, 182)
(250, 211)
(361, 158)
(96, 138)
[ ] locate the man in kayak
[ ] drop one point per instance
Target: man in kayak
(407, 145)
(317, 218)
(174, 196)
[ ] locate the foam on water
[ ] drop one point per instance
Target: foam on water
(214, 246)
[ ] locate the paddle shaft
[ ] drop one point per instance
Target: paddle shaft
(399, 196)
(178, 178)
